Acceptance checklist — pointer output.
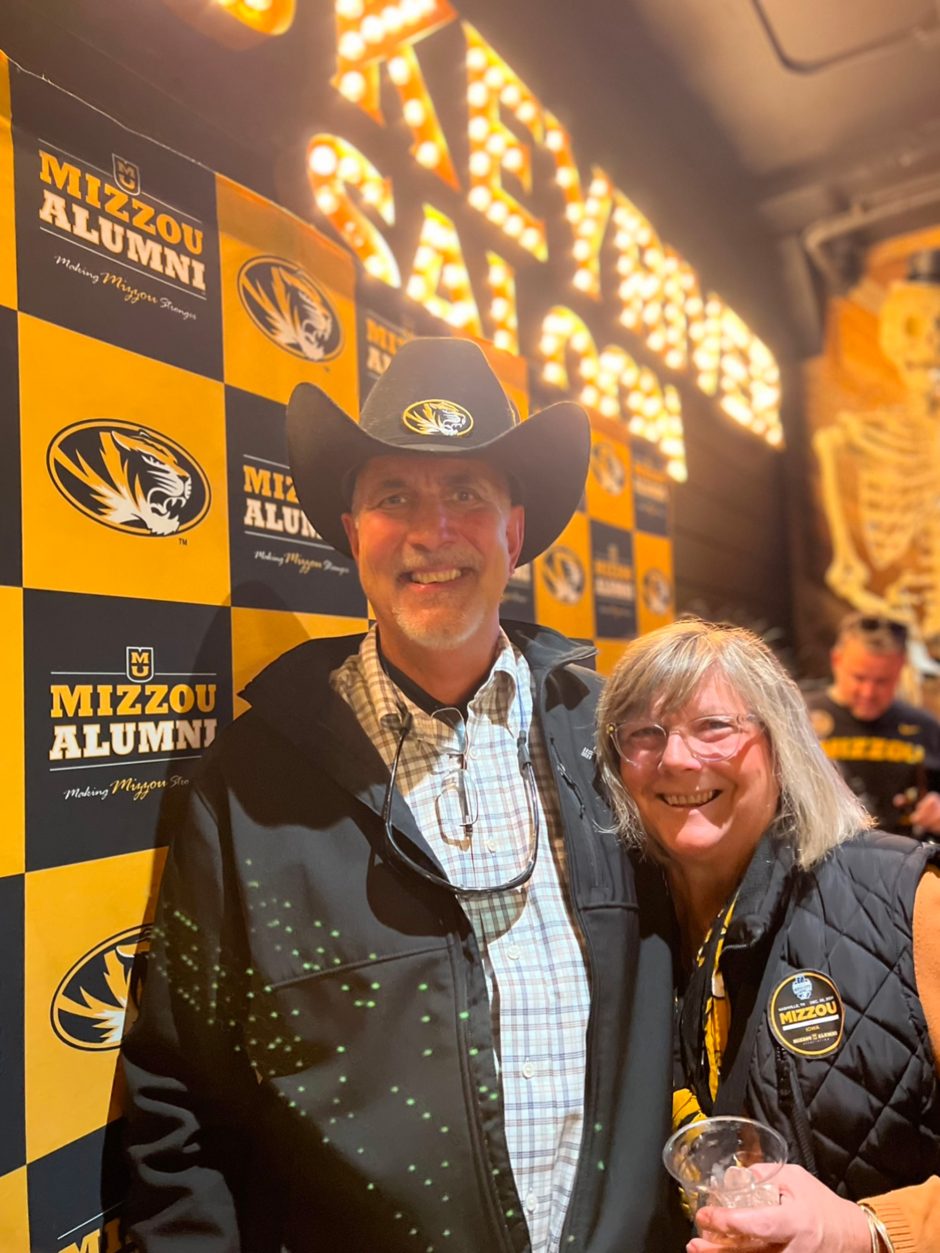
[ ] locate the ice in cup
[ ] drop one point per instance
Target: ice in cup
(711, 1161)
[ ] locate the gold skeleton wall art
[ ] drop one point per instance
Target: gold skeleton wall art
(880, 468)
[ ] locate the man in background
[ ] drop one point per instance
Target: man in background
(887, 749)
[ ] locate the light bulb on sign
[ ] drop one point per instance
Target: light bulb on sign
(323, 160)
(480, 198)
(498, 212)
(373, 29)
(399, 71)
(350, 169)
(327, 200)
(351, 46)
(353, 86)
(414, 112)
(428, 154)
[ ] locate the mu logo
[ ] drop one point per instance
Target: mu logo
(128, 477)
(290, 308)
(126, 174)
(140, 661)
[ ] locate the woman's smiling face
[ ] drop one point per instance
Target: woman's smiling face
(706, 813)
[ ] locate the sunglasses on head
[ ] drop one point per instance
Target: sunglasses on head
(871, 623)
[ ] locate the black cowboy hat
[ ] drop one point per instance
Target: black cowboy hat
(439, 396)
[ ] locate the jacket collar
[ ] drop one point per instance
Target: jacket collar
(280, 687)
(294, 696)
(763, 891)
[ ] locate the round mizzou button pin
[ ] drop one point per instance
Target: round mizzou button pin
(806, 1014)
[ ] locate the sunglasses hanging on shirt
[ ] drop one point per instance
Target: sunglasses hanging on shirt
(466, 797)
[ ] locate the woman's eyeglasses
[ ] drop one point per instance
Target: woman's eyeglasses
(460, 789)
(713, 737)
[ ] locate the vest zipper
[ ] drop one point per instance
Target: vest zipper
(793, 1099)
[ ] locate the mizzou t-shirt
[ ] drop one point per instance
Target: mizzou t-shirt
(896, 753)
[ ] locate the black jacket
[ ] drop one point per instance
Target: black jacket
(313, 1067)
(864, 1114)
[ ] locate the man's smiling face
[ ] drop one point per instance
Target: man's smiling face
(435, 539)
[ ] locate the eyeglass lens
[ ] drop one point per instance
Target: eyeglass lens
(714, 737)
(457, 803)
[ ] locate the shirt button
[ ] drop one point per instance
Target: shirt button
(528, 1070)
(491, 846)
(531, 1202)
(512, 953)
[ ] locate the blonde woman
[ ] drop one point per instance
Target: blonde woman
(809, 988)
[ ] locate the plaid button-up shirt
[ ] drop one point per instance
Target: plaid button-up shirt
(533, 961)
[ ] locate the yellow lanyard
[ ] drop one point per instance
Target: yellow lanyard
(716, 1025)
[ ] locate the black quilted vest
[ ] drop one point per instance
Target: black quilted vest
(866, 1118)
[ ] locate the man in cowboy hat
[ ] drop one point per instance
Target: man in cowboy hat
(402, 991)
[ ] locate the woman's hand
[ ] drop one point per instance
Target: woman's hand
(809, 1219)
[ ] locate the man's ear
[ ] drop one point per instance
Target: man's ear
(515, 534)
(352, 533)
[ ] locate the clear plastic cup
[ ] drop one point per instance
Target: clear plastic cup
(711, 1160)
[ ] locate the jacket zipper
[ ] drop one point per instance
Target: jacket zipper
(588, 1112)
(799, 1120)
(555, 756)
(588, 844)
(589, 1115)
(488, 1187)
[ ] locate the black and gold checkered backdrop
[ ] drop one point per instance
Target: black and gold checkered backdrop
(154, 318)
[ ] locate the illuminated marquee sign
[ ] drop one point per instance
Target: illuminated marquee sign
(614, 252)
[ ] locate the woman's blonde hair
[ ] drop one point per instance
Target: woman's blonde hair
(659, 672)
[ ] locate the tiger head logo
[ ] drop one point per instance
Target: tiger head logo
(437, 417)
(607, 468)
(289, 308)
(563, 575)
(96, 1001)
(657, 591)
(128, 477)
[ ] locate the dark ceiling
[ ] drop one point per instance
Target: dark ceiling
(769, 140)
(809, 126)
(831, 111)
